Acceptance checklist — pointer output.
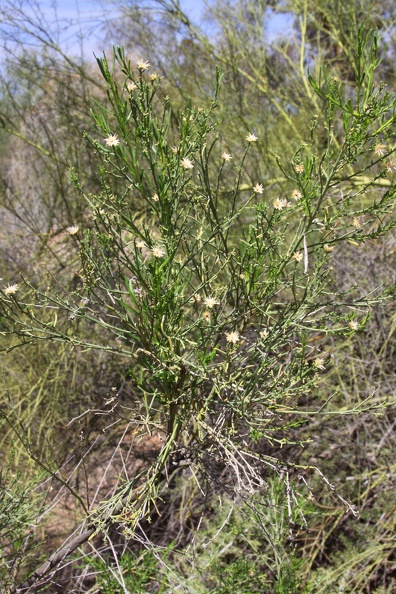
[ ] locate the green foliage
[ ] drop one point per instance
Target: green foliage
(229, 554)
(19, 510)
(136, 575)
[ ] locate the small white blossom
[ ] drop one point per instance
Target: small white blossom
(296, 194)
(380, 149)
(210, 302)
(356, 223)
(155, 198)
(206, 316)
(226, 157)
(186, 163)
(153, 76)
(142, 65)
(353, 325)
(319, 363)
(158, 251)
(390, 166)
(328, 248)
(258, 188)
(233, 337)
(280, 203)
(112, 140)
(73, 229)
(264, 333)
(251, 138)
(11, 289)
(140, 244)
(299, 168)
(131, 86)
(298, 256)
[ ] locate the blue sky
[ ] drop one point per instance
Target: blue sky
(92, 12)
(67, 8)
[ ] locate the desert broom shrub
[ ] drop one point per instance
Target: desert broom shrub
(217, 297)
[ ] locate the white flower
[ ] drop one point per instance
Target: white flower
(142, 65)
(175, 150)
(356, 223)
(155, 198)
(299, 168)
(264, 333)
(353, 325)
(153, 76)
(158, 251)
(11, 289)
(380, 149)
(131, 86)
(112, 140)
(186, 163)
(298, 256)
(296, 194)
(233, 337)
(390, 166)
(73, 229)
(251, 138)
(226, 157)
(140, 244)
(280, 203)
(319, 363)
(328, 248)
(258, 188)
(206, 316)
(210, 302)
